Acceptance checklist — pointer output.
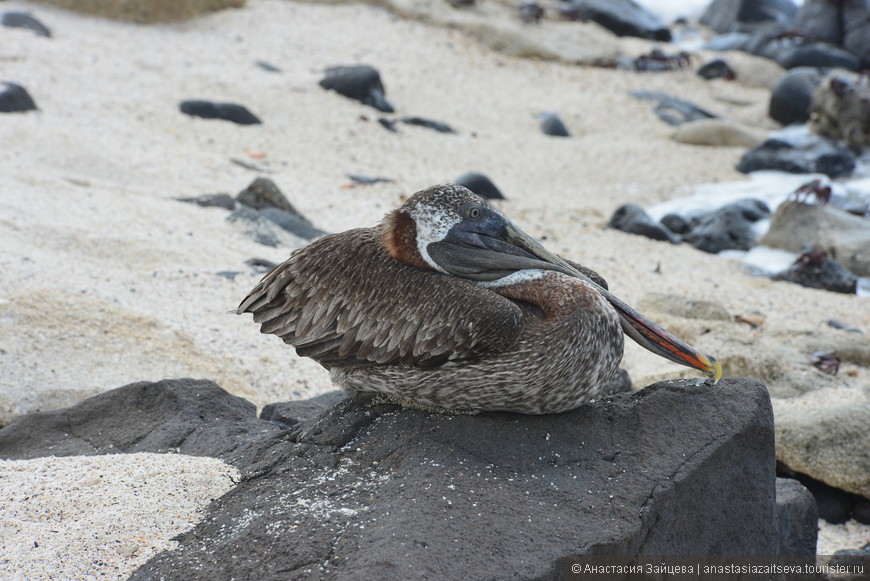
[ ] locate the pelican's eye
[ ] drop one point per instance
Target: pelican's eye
(473, 212)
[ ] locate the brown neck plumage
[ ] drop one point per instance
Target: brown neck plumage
(399, 238)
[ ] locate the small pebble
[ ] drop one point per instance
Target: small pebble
(15, 99)
(14, 19)
(225, 111)
(428, 124)
(551, 124)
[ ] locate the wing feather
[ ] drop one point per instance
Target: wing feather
(343, 301)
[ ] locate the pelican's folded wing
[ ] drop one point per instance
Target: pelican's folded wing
(343, 301)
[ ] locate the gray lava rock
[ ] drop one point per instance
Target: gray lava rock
(15, 99)
(799, 153)
(213, 110)
(633, 219)
(796, 518)
(390, 493)
(211, 200)
(717, 69)
(732, 15)
(360, 82)
(293, 223)
(480, 185)
(672, 110)
(822, 19)
(187, 416)
(792, 96)
(622, 17)
(551, 124)
(728, 228)
(856, 22)
(15, 19)
(265, 193)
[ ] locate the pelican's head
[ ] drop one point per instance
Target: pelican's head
(452, 230)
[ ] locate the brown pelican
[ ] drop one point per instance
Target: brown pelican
(447, 303)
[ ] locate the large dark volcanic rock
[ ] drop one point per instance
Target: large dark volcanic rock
(391, 493)
(680, 467)
(187, 416)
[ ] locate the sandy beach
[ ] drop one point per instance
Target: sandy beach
(108, 279)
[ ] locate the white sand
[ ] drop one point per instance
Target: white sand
(126, 508)
(108, 280)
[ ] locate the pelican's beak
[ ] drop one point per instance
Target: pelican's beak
(654, 338)
(493, 250)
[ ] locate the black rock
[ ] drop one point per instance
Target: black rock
(818, 54)
(733, 15)
(619, 383)
(727, 228)
(814, 269)
(717, 69)
(672, 110)
(633, 219)
(14, 19)
(439, 126)
(861, 510)
(799, 153)
(856, 20)
(260, 265)
(186, 416)
(551, 124)
(213, 110)
(822, 20)
(265, 193)
(211, 200)
(389, 493)
(293, 223)
(833, 505)
(796, 518)
(480, 185)
(792, 96)
(268, 67)
(388, 124)
(530, 12)
(15, 98)
(622, 17)
(676, 224)
(360, 82)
